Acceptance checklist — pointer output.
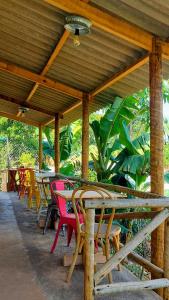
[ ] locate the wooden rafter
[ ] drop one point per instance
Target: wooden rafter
(19, 119)
(51, 60)
(111, 24)
(27, 105)
(116, 77)
(106, 22)
(42, 80)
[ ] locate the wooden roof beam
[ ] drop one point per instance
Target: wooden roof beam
(104, 21)
(118, 76)
(19, 119)
(51, 84)
(51, 60)
(111, 24)
(27, 105)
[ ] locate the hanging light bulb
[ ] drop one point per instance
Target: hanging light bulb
(77, 25)
(76, 39)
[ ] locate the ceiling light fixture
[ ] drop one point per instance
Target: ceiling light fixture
(23, 110)
(77, 25)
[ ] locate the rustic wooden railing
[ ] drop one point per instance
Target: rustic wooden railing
(92, 286)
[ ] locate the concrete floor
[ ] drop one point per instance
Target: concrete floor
(29, 272)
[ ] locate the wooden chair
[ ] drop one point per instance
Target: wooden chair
(104, 232)
(32, 189)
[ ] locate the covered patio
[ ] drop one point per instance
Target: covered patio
(57, 83)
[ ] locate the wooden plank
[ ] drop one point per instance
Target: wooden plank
(56, 143)
(122, 287)
(85, 136)
(130, 246)
(109, 23)
(166, 258)
(27, 105)
(156, 146)
(131, 215)
(89, 255)
(19, 119)
(127, 203)
(42, 80)
(51, 60)
(119, 75)
(99, 258)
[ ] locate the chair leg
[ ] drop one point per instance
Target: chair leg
(47, 219)
(56, 238)
(107, 252)
(116, 240)
(69, 234)
(71, 269)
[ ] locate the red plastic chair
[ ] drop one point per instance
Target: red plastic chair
(65, 217)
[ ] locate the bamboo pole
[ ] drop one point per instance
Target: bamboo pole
(89, 255)
(56, 143)
(156, 144)
(157, 272)
(122, 287)
(166, 258)
(85, 135)
(40, 148)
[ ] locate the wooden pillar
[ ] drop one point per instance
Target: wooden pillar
(40, 148)
(56, 143)
(85, 136)
(166, 258)
(89, 255)
(156, 144)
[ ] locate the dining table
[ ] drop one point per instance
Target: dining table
(67, 194)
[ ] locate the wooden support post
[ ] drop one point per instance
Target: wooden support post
(89, 255)
(85, 136)
(166, 258)
(156, 144)
(56, 143)
(40, 148)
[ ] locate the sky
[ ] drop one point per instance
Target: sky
(166, 111)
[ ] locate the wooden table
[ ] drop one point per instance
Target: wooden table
(67, 195)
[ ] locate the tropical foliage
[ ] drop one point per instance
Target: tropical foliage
(118, 156)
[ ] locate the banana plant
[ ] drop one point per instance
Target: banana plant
(107, 129)
(133, 161)
(66, 137)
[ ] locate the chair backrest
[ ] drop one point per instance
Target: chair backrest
(78, 206)
(22, 175)
(58, 185)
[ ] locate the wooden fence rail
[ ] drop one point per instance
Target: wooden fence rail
(92, 280)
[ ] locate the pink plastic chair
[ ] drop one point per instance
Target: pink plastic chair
(65, 217)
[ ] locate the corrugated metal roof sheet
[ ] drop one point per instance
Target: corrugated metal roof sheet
(29, 32)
